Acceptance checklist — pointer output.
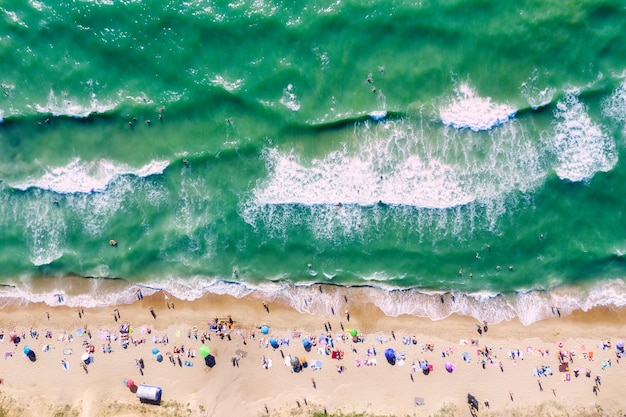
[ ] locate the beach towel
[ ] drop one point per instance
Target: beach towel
(67, 351)
(466, 357)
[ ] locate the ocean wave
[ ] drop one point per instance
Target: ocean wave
(537, 96)
(86, 177)
(466, 110)
(426, 179)
(311, 298)
(72, 107)
(581, 147)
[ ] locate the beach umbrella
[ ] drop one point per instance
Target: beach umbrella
(31, 355)
(450, 367)
(354, 332)
(12, 335)
(204, 351)
(209, 361)
(16, 340)
(155, 351)
(620, 344)
(84, 357)
(129, 383)
(390, 354)
(274, 342)
(26, 349)
(265, 329)
(159, 357)
(307, 344)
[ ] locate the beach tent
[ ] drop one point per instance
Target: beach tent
(149, 394)
(274, 342)
(390, 354)
(31, 355)
(209, 361)
(204, 351)
(265, 329)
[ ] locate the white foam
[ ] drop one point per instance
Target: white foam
(45, 231)
(466, 110)
(615, 105)
(581, 146)
(435, 183)
(528, 307)
(72, 107)
(340, 178)
(220, 81)
(535, 95)
(289, 99)
(85, 177)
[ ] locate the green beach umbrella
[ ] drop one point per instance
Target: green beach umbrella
(353, 332)
(204, 351)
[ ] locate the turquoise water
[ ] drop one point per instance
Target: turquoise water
(399, 145)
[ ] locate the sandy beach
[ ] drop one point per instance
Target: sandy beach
(512, 368)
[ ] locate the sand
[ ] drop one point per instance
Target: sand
(44, 387)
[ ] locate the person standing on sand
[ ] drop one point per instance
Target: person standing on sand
(152, 312)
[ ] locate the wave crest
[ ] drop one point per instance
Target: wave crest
(468, 111)
(87, 177)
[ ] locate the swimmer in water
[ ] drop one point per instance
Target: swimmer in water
(112, 242)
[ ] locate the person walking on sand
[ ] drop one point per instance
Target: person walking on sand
(152, 312)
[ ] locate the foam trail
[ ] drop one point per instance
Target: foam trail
(537, 96)
(615, 105)
(72, 107)
(86, 177)
(581, 146)
(289, 99)
(468, 111)
(528, 307)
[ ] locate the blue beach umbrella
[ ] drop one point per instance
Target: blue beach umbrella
(390, 354)
(155, 351)
(159, 358)
(26, 349)
(307, 344)
(265, 329)
(274, 342)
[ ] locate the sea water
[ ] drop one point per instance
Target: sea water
(411, 149)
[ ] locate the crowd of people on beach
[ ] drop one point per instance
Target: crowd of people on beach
(296, 346)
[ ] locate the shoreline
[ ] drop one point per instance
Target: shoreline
(526, 306)
(35, 388)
